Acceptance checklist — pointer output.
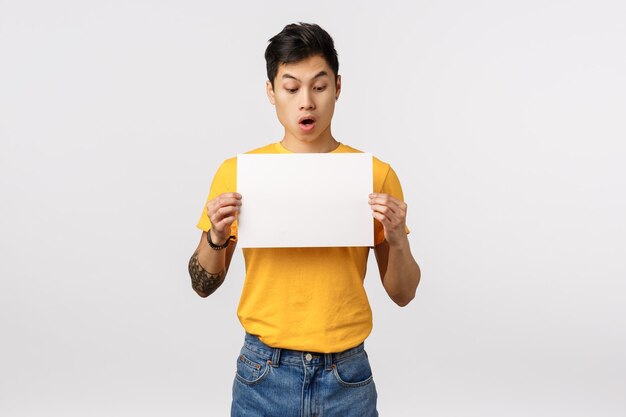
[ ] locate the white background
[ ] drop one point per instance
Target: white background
(503, 119)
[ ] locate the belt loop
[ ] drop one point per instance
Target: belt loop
(275, 357)
(328, 361)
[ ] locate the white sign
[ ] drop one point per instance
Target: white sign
(305, 200)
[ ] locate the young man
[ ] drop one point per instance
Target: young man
(304, 310)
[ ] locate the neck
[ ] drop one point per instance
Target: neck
(321, 144)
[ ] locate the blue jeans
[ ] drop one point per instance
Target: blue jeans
(273, 382)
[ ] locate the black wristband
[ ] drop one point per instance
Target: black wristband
(217, 247)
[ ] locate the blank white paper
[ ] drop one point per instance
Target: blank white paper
(305, 200)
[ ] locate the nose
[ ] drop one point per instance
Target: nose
(306, 100)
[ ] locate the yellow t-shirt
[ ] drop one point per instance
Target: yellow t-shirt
(309, 299)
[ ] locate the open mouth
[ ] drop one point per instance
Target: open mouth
(306, 123)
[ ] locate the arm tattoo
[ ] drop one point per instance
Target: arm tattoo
(202, 280)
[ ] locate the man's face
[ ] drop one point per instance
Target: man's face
(304, 95)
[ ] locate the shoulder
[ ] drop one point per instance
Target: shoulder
(381, 168)
(229, 166)
(271, 148)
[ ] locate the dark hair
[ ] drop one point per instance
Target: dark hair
(297, 42)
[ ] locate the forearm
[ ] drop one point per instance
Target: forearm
(402, 275)
(207, 269)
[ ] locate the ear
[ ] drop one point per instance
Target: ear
(270, 92)
(338, 87)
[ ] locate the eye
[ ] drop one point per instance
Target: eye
(320, 88)
(291, 90)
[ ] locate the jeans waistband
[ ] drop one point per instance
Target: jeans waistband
(276, 356)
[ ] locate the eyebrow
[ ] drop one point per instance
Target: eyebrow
(319, 74)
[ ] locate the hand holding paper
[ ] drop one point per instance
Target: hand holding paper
(222, 211)
(391, 212)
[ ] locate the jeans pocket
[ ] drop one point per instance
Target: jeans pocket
(354, 371)
(251, 369)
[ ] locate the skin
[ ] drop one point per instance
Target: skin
(305, 88)
(208, 267)
(309, 88)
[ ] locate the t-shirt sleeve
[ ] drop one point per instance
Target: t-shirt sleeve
(224, 181)
(391, 186)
